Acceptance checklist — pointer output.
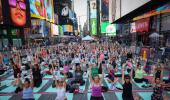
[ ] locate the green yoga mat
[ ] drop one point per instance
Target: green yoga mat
(145, 95)
(42, 85)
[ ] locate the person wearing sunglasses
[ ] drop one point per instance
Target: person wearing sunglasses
(18, 12)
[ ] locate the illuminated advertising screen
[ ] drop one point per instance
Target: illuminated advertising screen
(16, 12)
(108, 29)
(54, 30)
(93, 10)
(42, 9)
(93, 26)
(49, 10)
(1, 16)
(67, 28)
(105, 10)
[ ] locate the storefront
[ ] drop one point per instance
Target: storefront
(142, 30)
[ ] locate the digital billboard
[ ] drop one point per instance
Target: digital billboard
(42, 9)
(105, 10)
(15, 12)
(108, 29)
(54, 30)
(49, 10)
(67, 28)
(93, 26)
(93, 9)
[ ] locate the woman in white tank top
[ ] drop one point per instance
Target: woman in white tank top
(61, 88)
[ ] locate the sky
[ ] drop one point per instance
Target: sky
(80, 8)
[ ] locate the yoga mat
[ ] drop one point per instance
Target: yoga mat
(118, 84)
(118, 73)
(83, 87)
(9, 89)
(7, 82)
(5, 97)
(165, 78)
(11, 77)
(42, 85)
(108, 84)
(119, 95)
(50, 89)
(48, 76)
(145, 95)
(37, 96)
(88, 96)
(139, 84)
(4, 74)
(69, 96)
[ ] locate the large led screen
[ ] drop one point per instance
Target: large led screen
(18, 12)
(42, 9)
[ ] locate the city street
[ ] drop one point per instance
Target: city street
(84, 50)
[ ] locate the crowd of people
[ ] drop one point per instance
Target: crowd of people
(73, 61)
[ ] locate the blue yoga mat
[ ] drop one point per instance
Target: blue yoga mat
(37, 96)
(145, 95)
(5, 97)
(69, 96)
(119, 95)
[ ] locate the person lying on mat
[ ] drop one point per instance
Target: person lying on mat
(96, 86)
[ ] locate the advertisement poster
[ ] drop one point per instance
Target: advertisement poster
(18, 12)
(108, 29)
(93, 26)
(49, 10)
(42, 9)
(93, 9)
(1, 16)
(54, 30)
(105, 10)
(67, 28)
